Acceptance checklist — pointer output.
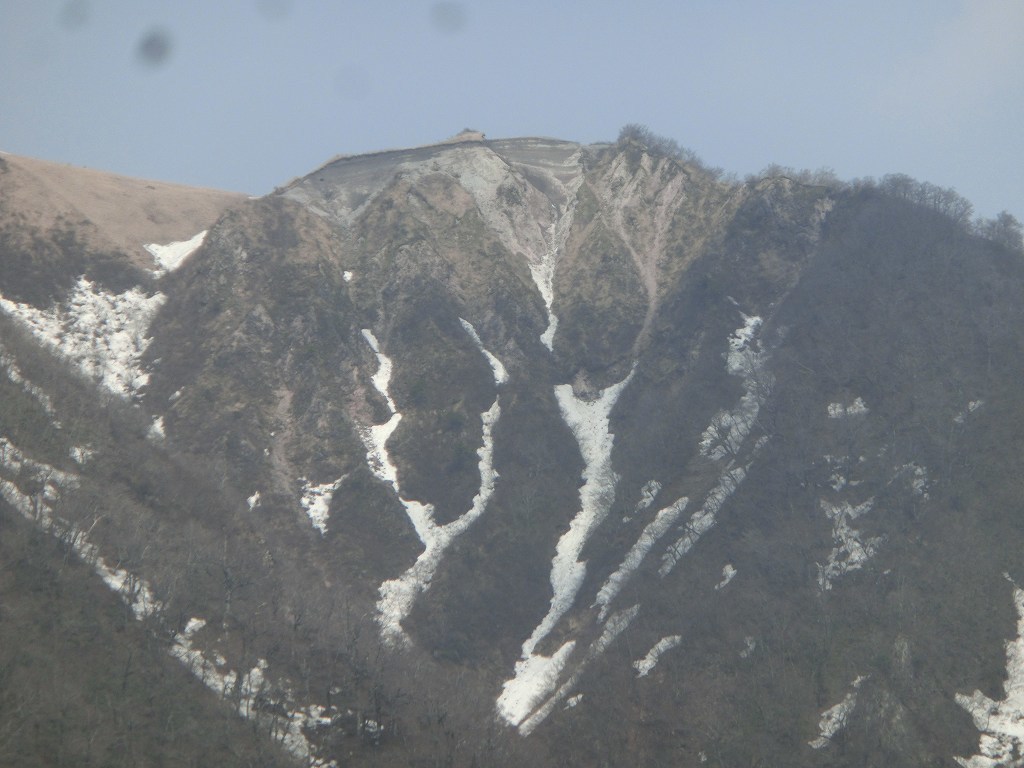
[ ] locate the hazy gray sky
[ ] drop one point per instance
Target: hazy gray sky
(246, 94)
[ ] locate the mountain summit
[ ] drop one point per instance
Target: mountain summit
(510, 452)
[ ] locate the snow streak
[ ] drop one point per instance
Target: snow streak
(542, 270)
(398, 595)
(644, 666)
(834, 719)
(36, 508)
(703, 520)
(728, 429)
(650, 535)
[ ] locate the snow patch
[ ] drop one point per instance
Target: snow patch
(104, 334)
(749, 646)
(156, 429)
(80, 454)
(169, 257)
(589, 424)
(36, 508)
(253, 501)
(840, 410)
(834, 719)
(542, 269)
(250, 690)
(485, 178)
(728, 574)
(703, 520)
(644, 666)
(315, 501)
(346, 276)
(971, 408)
(917, 475)
(376, 436)
(647, 495)
(1000, 722)
(398, 595)
(851, 549)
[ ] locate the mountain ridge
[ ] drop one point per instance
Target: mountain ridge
(614, 459)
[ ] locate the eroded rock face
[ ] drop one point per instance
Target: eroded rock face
(579, 443)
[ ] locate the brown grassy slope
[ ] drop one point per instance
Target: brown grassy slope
(126, 213)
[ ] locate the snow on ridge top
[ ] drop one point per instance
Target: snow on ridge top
(169, 257)
(103, 334)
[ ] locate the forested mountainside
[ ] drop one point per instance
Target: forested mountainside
(510, 452)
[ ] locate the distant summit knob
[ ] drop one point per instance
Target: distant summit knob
(466, 134)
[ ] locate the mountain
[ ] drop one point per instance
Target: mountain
(509, 452)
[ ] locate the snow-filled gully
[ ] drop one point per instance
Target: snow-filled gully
(542, 269)
(1001, 723)
(398, 595)
(536, 675)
